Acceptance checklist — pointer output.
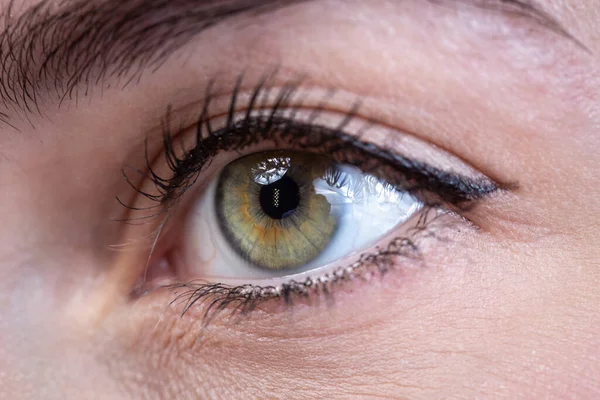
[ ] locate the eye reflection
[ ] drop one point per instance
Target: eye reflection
(284, 212)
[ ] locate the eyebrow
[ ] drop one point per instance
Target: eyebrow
(57, 49)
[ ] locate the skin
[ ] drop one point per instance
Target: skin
(508, 310)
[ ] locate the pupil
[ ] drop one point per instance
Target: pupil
(279, 199)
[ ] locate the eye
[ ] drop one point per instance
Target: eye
(284, 212)
(277, 198)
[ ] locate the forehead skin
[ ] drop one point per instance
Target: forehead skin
(511, 313)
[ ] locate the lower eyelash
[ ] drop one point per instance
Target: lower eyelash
(241, 300)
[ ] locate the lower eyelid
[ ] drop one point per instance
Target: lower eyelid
(403, 254)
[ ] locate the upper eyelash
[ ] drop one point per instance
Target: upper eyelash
(277, 123)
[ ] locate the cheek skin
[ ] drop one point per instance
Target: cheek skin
(461, 322)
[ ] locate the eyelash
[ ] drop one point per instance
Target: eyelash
(243, 299)
(437, 189)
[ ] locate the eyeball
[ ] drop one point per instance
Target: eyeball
(280, 213)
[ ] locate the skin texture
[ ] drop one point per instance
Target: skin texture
(508, 310)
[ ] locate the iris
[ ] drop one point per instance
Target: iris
(269, 208)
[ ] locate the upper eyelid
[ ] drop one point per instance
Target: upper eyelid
(274, 95)
(315, 95)
(307, 102)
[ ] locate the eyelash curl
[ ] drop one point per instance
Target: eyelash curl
(276, 121)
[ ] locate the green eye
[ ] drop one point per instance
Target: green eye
(270, 210)
(281, 213)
